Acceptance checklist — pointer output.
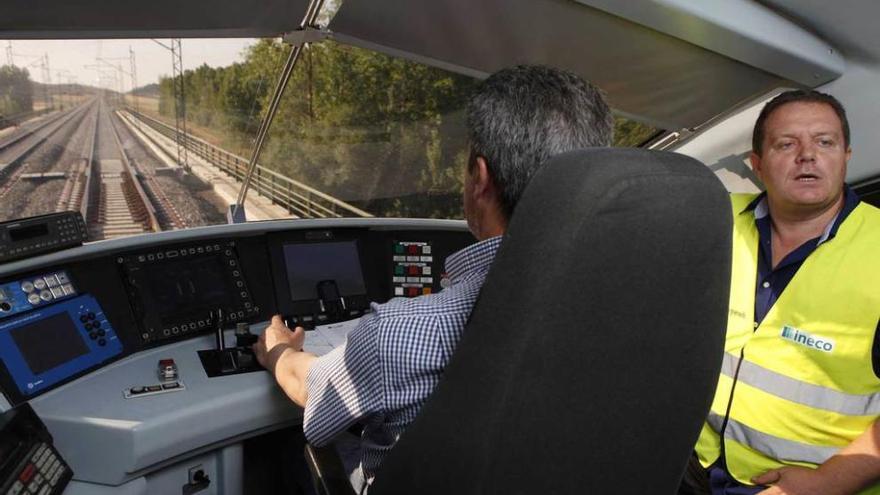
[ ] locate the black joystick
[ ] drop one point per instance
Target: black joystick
(243, 335)
(221, 360)
(219, 322)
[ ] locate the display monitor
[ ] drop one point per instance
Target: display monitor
(309, 264)
(188, 287)
(49, 342)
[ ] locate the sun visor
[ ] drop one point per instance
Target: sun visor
(63, 19)
(646, 74)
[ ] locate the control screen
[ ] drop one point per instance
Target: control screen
(175, 292)
(310, 264)
(47, 343)
(53, 343)
(187, 287)
(28, 232)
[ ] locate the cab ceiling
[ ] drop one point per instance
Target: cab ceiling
(851, 25)
(649, 71)
(656, 77)
(61, 19)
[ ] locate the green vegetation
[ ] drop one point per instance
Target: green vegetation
(16, 91)
(382, 133)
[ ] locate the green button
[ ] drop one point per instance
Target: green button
(398, 248)
(398, 270)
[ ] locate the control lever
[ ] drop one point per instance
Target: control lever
(243, 335)
(219, 322)
(329, 299)
(224, 360)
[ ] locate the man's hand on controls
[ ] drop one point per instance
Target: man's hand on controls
(794, 480)
(275, 340)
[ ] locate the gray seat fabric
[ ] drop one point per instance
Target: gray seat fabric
(591, 356)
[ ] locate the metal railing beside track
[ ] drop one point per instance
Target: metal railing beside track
(298, 198)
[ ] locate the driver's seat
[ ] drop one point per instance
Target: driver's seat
(592, 354)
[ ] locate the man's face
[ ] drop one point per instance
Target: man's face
(803, 161)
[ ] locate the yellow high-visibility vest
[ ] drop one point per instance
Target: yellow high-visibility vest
(803, 384)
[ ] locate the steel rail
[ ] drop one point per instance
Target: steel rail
(85, 207)
(141, 203)
(11, 168)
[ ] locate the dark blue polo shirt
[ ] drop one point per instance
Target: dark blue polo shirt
(768, 287)
(772, 281)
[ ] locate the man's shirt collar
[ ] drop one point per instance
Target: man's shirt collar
(472, 259)
(850, 202)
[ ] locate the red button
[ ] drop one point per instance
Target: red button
(413, 270)
(27, 473)
(412, 249)
(412, 291)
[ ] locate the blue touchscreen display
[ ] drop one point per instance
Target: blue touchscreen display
(49, 345)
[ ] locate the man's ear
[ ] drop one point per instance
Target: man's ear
(482, 179)
(755, 161)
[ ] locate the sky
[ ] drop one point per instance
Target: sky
(68, 58)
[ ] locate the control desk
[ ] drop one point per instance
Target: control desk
(104, 340)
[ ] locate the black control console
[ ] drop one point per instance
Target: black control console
(322, 282)
(41, 234)
(174, 291)
(224, 360)
(29, 464)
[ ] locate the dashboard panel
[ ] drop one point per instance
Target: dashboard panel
(109, 300)
(82, 330)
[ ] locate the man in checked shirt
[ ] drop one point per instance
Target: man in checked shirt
(396, 355)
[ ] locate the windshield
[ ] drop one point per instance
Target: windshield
(148, 135)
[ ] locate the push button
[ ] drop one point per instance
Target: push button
(102, 342)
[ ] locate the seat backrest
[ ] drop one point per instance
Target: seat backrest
(592, 354)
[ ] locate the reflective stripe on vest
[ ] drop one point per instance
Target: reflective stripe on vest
(775, 447)
(801, 392)
(805, 386)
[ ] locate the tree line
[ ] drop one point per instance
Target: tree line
(383, 133)
(16, 91)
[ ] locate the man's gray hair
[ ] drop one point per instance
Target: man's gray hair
(521, 116)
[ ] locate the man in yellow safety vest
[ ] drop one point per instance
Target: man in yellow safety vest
(796, 407)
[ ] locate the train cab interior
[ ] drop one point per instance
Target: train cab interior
(140, 258)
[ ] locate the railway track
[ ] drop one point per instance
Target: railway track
(87, 160)
(17, 148)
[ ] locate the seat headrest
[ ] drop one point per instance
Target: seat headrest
(594, 348)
